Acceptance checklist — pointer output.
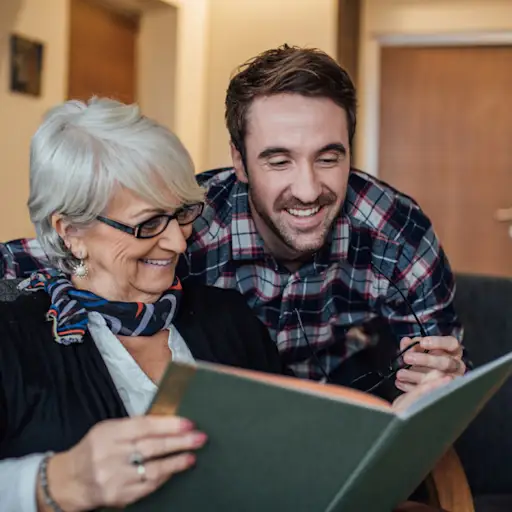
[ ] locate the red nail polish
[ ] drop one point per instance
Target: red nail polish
(199, 438)
(186, 425)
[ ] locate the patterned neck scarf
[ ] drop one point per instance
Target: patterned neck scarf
(70, 307)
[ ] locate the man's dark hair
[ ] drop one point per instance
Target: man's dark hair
(287, 69)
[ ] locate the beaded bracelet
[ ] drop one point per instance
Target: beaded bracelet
(43, 478)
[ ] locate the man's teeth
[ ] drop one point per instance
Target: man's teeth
(303, 213)
(160, 263)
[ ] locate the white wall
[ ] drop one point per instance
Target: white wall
(46, 21)
(432, 19)
(239, 30)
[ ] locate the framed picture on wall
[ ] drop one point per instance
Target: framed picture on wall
(26, 65)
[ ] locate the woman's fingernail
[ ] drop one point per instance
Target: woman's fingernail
(186, 424)
(190, 460)
(199, 438)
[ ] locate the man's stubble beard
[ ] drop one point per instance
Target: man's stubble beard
(283, 234)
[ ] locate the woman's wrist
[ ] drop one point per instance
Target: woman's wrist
(45, 501)
(57, 489)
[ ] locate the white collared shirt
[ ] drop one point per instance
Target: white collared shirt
(135, 388)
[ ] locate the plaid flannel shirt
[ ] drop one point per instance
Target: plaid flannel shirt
(379, 235)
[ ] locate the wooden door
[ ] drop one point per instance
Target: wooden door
(446, 140)
(102, 52)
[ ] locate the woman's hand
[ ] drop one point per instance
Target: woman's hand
(100, 470)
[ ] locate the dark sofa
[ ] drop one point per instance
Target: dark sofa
(485, 448)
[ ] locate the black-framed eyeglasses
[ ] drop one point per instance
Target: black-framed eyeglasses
(395, 364)
(157, 224)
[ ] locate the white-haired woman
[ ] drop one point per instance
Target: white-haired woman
(112, 198)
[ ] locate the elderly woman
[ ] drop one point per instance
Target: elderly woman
(112, 197)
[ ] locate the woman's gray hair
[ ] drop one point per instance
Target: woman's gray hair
(83, 151)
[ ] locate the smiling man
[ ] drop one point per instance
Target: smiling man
(322, 252)
(319, 249)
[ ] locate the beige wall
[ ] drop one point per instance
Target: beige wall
(9, 10)
(417, 22)
(20, 115)
(191, 76)
(173, 68)
(213, 38)
(172, 85)
(156, 64)
(240, 29)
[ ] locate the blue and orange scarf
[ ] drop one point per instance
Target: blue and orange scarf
(70, 307)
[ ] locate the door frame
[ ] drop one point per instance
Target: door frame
(369, 150)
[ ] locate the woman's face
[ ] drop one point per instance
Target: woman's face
(122, 267)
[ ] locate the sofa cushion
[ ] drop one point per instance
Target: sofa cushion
(493, 503)
(9, 289)
(484, 305)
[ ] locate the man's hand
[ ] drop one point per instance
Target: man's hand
(444, 358)
(430, 383)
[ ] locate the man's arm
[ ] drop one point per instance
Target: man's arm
(19, 258)
(424, 275)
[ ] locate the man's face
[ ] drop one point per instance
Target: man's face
(297, 152)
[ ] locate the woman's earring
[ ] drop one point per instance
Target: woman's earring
(80, 269)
